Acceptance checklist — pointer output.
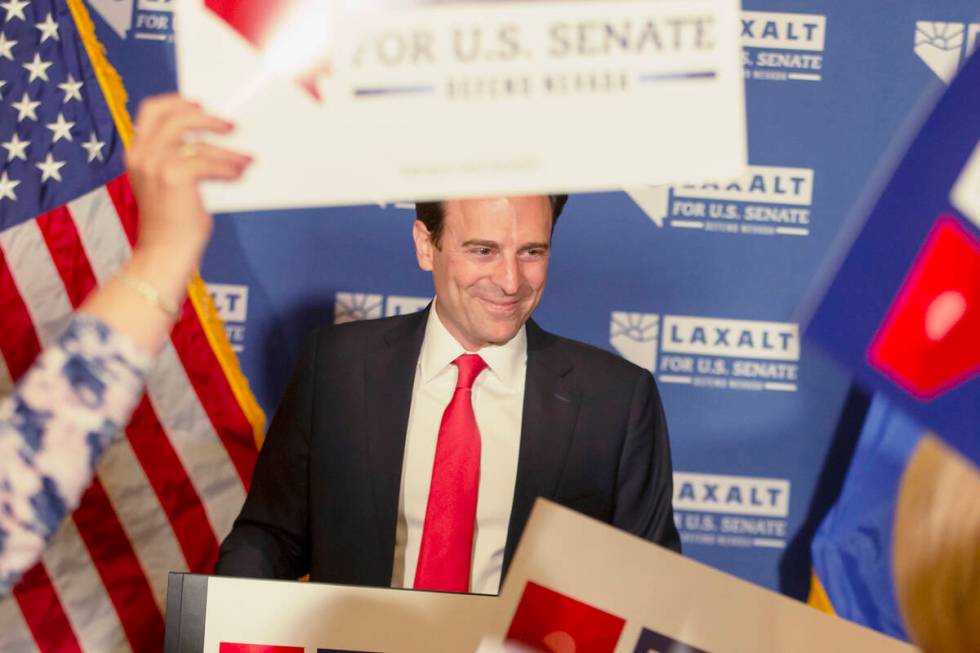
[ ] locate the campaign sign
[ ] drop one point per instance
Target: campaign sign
(903, 308)
(238, 615)
(341, 105)
(577, 584)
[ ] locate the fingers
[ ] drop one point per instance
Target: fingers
(206, 162)
(155, 110)
(217, 153)
(160, 149)
(178, 125)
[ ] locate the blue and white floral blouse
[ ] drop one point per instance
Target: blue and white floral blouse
(54, 427)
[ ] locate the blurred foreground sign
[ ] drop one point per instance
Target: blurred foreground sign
(211, 614)
(899, 304)
(579, 585)
(342, 104)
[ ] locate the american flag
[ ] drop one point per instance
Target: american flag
(168, 492)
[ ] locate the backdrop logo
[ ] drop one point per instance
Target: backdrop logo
(636, 336)
(738, 511)
(350, 306)
(152, 19)
(710, 352)
(945, 46)
(232, 304)
(782, 46)
(766, 200)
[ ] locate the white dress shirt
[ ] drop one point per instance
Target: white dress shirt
(498, 404)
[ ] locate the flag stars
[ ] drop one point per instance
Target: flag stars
(37, 68)
(7, 186)
(94, 148)
(14, 9)
(6, 47)
(50, 169)
(48, 28)
(16, 148)
(26, 108)
(60, 128)
(71, 88)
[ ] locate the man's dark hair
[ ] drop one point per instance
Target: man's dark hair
(431, 215)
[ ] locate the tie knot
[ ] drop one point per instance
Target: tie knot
(470, 366)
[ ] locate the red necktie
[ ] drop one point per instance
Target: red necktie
(447, 535)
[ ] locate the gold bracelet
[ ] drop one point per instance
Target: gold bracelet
(150, 293)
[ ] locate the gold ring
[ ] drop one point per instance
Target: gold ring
(187, 150)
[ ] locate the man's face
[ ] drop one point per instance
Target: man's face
(490, 267)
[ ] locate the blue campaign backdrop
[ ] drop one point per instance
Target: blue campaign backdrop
(700, 285)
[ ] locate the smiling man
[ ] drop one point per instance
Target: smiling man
(408, 451)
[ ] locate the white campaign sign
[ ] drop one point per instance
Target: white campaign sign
(576, 582)
(312, 616)
(459, 99)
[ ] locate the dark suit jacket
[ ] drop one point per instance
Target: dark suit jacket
(324, 495)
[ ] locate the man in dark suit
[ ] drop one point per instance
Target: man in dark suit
(408, 451)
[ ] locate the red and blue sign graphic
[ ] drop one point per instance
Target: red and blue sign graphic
(903, 311)
(228, 647)
(231, 647)
(652, 642)
(546, 620)
(263, 22)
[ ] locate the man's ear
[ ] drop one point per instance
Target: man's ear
(423, 245)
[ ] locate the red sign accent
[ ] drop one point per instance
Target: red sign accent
(929, 341)
(257, 21)
(548, 621)
(228, 647)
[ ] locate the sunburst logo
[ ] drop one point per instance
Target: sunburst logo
(945, 46)
(636, 337)
(352, 306)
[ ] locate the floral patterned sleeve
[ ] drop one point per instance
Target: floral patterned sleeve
(54, 427)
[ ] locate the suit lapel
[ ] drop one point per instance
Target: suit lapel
(550, 412)
(388, 379)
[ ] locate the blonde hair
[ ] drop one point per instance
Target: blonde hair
(937, 549)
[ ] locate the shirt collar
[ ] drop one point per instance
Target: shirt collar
(440, 349)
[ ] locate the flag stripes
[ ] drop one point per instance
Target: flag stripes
(138, 504)
(97, 521)
(18, 342)
(120, 571)
(179, 502)
(37, 280)
(144, 523)
(107, 246)
(61, 238)
(198, 361)
(92, 619)
(166, 494)
(42, 613)
(15, 636)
